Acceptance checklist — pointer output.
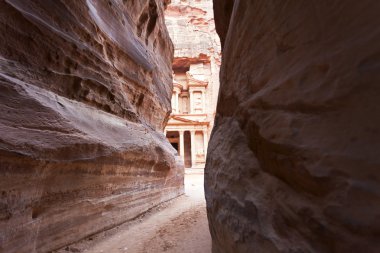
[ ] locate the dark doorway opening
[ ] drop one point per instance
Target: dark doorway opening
(187, 153)
(173, 137)
(175, 145)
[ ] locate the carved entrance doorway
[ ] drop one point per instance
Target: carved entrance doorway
(187, 153)
(173, 137)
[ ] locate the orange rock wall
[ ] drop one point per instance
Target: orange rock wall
(85, 90)
(293, 160)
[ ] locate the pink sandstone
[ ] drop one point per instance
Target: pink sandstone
(85, 95)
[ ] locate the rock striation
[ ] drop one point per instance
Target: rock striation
(293, 160)
(85, 90)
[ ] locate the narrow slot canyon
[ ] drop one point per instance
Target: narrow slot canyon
(178, 225)
(189, 126)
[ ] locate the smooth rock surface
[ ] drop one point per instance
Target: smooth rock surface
(293, 161)
(85, 90)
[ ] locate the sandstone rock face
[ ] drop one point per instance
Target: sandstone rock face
(191, 26)
(85, 94)
(293, 160)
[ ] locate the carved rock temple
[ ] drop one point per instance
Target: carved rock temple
(195, 78)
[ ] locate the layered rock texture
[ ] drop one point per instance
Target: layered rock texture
(293, 160)
(85, 93)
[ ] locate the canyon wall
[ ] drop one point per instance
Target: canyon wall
(293, 160)
(85, 90)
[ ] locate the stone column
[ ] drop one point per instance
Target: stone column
(193, 148)
(177, 101)
(173, 102)
(203, 102)
(205, 141)
(181, 145)
(191, 97)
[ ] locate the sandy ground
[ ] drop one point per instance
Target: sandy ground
(177, 226)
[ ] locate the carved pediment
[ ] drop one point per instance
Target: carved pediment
(193, 81)
(177, 120)
(181, 120)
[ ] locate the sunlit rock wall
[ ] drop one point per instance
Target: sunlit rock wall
(293, 162)
(191, 26)
(85, 91)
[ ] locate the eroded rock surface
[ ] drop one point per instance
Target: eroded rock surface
(191, 26)
(85, 94)
(293, 160)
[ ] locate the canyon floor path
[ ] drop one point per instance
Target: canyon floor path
(179, 225)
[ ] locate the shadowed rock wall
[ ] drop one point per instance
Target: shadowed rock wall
(85, 90)
(293, 162)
